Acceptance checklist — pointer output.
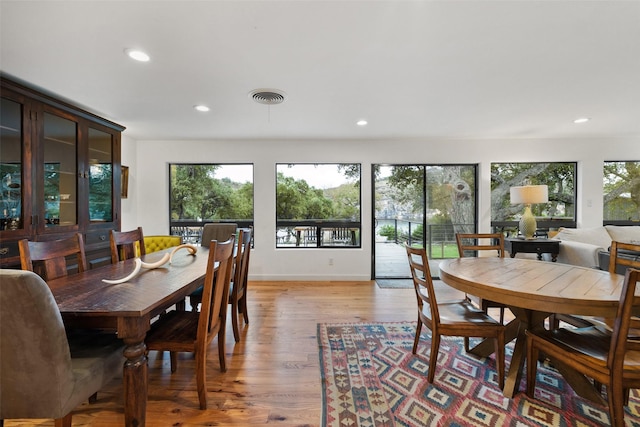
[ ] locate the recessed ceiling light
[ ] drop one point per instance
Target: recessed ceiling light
(361, 122)
(582, 120)
(136, 54)
(202, 108)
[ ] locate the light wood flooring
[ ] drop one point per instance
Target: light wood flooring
(273, 374)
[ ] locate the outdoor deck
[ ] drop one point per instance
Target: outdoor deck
(391, 261)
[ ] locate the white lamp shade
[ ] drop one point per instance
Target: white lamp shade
(529, 194)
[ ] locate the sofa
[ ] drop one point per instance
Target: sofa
(588, 247)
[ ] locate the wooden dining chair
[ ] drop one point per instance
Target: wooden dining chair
(126, 244)
(615, 261)
(451, 318)
(49, 258)
(618, 258)
(238, 292)
(609, 358)
(469, 244)
(189, 331)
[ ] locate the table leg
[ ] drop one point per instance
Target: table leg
(133, 330)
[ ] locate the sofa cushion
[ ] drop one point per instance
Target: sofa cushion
(624, 233)
(595, 236)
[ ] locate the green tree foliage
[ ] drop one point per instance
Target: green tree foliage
(197, 194)
(296, 199)
(621, 190)
(559, 177)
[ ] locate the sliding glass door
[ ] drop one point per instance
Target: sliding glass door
(420, 205)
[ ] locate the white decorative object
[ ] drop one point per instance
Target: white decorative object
(151, 265)
(528, 195)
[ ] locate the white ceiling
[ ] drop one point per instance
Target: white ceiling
(413, 69)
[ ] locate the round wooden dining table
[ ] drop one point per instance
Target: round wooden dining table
(533, 290)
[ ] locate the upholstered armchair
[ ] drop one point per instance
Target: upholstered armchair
(158, 243)
(43, 373)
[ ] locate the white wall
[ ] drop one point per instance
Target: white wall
(148, 202)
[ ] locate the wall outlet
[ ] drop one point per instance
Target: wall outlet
(330, 261)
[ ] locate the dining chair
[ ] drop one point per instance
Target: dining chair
(469, 244)
(189, 331)
(609, 358)
(160, 242)
(49, 258)
(238, 292)
(126, 244)
(617, 258)
(615, 261)
(43, 372)
(450, 318)
(220, 231)
(212, 231)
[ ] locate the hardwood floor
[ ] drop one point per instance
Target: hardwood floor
(273, 374)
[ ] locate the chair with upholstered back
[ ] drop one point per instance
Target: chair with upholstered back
(44, 374)
(469, 244)
(451, 318)
(126, 244)
(49, 258)
(220, 231)
(193, 331)
(608, 357)
(159, 242)
(238, 292)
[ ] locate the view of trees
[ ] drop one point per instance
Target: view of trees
(559, 177)
(197, 194)
(621, 187)
(297, 200)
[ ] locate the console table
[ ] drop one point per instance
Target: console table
(533, 246)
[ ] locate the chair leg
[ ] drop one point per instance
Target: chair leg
(234, 320)
(499, 343)
(221, 343)
(532, 367)
(243, 306)
(433, 357)
(194, 301)
(201, 378)
(63, 422)
(615, 396)
(417, 338)
(173, 355)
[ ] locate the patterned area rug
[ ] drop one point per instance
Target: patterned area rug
(370, 379)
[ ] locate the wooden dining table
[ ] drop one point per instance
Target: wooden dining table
(128, 308)
(533, 290)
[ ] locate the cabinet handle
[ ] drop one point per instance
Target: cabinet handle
(4, 251)
(103, 237)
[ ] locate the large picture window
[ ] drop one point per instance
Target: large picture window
(201, 193)
(560, 211)
(621, 192)
(318, 205)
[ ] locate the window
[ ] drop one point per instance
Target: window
(560, 211)
(621, 192)
(317, 205)
(200, 193)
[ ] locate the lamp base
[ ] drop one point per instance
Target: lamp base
(528, 225)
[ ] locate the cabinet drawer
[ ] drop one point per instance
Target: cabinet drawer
(97, 239)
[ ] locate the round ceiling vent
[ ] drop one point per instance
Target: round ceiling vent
(267, 96)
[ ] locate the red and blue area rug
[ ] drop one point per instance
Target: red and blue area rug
(371, 379)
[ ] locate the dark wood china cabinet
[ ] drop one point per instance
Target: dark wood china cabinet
(59, 173)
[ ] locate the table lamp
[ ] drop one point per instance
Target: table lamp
(528, 195)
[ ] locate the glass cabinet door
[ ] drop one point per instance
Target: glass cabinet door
(101, 183)
(59, 179)
(11, 165)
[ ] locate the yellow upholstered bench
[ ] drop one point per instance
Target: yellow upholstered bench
(158, 243)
